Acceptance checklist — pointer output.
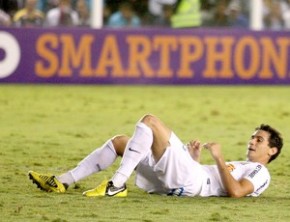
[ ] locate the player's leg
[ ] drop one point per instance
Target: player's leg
(179, 173)
(149, 133)
(171, 169)
(161, 135)
(98, 160)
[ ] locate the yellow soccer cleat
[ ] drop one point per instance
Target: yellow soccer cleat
(99, 191)
(107, 189)
(46, 182)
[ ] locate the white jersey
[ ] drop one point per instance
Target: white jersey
(178, 174)
(256, 173)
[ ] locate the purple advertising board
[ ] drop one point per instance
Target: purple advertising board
(144, 56)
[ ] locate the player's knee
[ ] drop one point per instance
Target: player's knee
(150, 121)
(120, 142)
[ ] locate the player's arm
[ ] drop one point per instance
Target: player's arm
(233, 187)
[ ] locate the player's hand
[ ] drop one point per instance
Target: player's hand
(194, 148)
(214, 149)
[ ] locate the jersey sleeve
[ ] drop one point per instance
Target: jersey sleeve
(260, 178)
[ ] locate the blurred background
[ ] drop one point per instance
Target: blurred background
(251, 14)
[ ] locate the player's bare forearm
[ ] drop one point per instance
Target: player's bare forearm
(233, 187)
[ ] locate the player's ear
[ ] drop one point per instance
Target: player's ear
(272, 151)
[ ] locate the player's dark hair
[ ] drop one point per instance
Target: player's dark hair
(275, 139)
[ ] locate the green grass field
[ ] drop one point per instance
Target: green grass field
(51, 128)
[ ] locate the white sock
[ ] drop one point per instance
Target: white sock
(98, 160)
(137, 148)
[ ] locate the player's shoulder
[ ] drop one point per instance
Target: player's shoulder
(249, 165)
(242, 163)
(246, 163)
(258, 169)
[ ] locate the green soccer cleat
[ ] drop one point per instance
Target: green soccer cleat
(103, 188)
(46, 182)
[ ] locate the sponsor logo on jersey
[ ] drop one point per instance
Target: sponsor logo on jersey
(258, 168)
(263, 185)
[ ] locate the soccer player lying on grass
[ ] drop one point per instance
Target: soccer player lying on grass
(164, 165)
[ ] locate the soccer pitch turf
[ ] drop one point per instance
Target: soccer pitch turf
(49, 129)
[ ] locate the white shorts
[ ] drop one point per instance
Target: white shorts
(176, 173)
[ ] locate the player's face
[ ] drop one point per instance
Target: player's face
(258, 147)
